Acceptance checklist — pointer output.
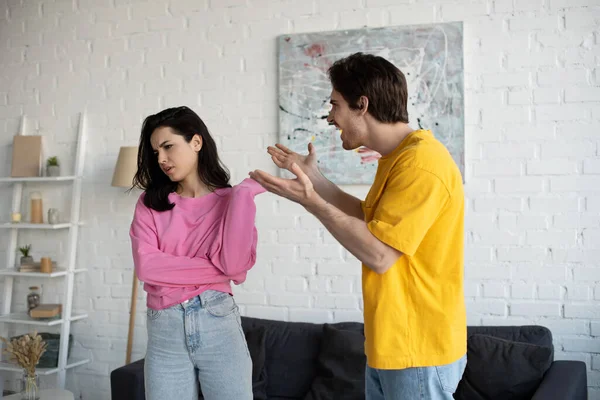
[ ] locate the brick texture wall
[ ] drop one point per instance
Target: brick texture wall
(532, 74)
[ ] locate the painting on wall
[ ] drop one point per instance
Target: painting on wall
(431, 58)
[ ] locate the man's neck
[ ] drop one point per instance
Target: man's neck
(385, 138)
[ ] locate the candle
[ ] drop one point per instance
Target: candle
(46, 265)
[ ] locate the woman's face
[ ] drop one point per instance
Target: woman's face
(176, 157)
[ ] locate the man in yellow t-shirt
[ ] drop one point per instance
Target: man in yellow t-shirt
(408, 232)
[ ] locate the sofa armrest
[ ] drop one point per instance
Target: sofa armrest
(127, 382)
(564, 380)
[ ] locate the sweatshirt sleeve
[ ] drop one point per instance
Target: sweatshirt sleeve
(155, 267)
(234, 251)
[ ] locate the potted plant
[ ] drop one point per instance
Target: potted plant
(52, 166)
(26, 259)
(26, 351)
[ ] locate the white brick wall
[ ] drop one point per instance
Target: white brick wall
(533, 150)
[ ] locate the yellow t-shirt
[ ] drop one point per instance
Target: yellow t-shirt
(415, 312)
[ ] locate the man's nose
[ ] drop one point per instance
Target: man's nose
(330, 117)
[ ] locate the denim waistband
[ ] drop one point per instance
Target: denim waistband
(196, 300)
(202, 299)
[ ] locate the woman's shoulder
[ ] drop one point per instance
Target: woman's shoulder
(140, 200)
(246, 185)
(140, 205)
(250, 184)
(144, 203)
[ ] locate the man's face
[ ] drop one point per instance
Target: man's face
(347, 120)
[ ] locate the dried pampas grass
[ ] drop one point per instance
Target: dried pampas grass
(26, 350)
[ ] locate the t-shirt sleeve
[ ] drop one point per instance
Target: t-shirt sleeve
(410, 203)
(363, 207)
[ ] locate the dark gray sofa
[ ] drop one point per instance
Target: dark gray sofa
(295, 360)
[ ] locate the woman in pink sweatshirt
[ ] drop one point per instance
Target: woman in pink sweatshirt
(192, 234)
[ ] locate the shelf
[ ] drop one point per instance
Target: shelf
(38, 179)
(23, 318)
(76, 363)
(65, 272)
(27, 225)
(55, 274)
(14, 272)
(71, 363)
(77, 317)
(12, 367)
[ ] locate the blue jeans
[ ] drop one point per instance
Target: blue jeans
(199, 342)
(424, 383)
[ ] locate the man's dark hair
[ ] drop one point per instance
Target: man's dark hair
(375, 78)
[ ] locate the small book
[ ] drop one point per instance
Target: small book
(29, 268)
(46, 311)
(26, 156)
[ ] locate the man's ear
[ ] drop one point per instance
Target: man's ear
(196, 142)
(363, 104)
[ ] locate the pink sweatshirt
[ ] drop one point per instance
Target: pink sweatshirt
(202, 243)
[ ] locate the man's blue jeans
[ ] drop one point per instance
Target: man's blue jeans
(424, 383)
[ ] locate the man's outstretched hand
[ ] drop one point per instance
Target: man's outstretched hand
(299, 190)
(284, 158)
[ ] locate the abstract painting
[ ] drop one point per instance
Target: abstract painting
(431, 58)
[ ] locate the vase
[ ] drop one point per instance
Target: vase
(26, 260)
(33, 298)
(36, 211)
(53, 216)
(30, 386)
(53, 170)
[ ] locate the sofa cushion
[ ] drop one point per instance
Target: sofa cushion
(256, 346)
(292, 349)
(127, 382)
(533, 334)
(499, 369)
(340, 366)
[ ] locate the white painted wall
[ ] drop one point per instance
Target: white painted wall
(532, 73)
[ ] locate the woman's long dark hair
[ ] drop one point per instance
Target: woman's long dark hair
(149, 175)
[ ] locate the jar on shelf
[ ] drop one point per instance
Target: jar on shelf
(33, 298)
(30, 386)
(53, 216)
(15, 217)
(36, 211)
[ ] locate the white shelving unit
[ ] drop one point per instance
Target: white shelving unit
(66, 272)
